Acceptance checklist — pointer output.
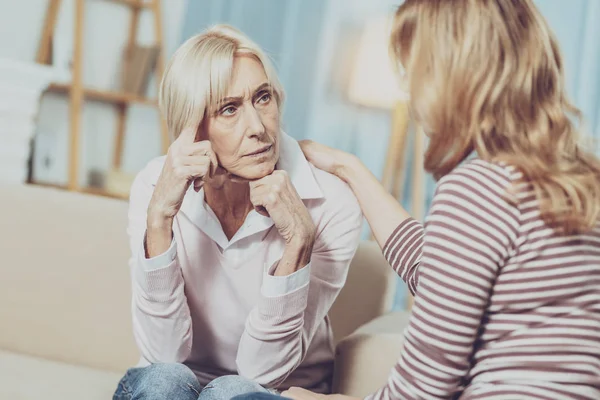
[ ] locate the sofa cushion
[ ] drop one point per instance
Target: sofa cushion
(364, 359)
(368, 292)
(30, 378)
(65, 287)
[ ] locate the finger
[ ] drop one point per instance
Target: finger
(287, 394)
(190, 161)
(214, 162)
(198, 184)
(260, 182)
(202, 147)
(290, 394)
(189, 172)
(295, 393)
(254, 185)
(260, 200)
(259, 194)
(262, 211)
(188, 135)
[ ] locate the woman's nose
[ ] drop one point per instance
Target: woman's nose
(254, 125)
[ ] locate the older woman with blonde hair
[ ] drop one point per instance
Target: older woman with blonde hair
(506, 268)
(239, 246)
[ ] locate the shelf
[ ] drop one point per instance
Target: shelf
(87, 190)
(133, 3)
(106, 96)
(101, 192)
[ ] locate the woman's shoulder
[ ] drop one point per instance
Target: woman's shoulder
(333, 188)
(484, 172)
(338, 202)
(477, 178)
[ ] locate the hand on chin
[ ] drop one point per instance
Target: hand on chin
(218, 179)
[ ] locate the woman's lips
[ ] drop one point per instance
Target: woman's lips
(260, 151)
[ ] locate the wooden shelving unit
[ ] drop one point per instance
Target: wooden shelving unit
(78, 93)
(105, 96)
(133, 3)
(88, 190)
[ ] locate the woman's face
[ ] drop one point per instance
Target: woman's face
(244, 131)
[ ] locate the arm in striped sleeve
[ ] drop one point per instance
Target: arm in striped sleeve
(466, 238)
(404, 249)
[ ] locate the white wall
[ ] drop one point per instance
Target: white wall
(105, 33)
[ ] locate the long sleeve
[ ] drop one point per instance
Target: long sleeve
(279, 330)
(467, 237)
(162, 324)
(403, 251)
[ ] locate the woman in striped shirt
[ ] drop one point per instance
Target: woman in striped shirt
(506, 269)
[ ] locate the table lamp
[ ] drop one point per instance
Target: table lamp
(374, 84)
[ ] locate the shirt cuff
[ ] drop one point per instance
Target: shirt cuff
(160, 261)
(276, 286)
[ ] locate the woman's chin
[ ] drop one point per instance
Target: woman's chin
(255, 172)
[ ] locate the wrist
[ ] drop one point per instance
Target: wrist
(157, 221)
(348, 167)
(301, 243)
(296, 255)
(302, 251)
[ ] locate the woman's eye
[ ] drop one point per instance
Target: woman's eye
(230, 110)
(265, 98)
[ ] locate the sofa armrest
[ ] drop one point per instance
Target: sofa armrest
(364, 359)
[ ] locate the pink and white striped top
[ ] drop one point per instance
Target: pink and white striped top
(506, 308)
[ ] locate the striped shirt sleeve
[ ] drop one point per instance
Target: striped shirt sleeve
(455, 259)
(404, 250)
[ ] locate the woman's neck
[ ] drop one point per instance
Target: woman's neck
(231, 204)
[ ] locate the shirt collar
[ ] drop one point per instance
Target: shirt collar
(291, 160)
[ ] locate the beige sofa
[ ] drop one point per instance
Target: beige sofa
(65, 329)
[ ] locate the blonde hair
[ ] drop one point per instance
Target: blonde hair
(198, 75)
(487, 75)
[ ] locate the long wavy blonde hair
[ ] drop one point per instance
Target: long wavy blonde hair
(487, 75)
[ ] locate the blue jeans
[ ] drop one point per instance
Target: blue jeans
(258, 396)
(177, 381)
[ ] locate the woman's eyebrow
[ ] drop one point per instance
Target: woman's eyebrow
(240, 99)
(262, 87)
(228, 100)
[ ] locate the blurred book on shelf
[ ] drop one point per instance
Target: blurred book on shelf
(138, 65)
(118, 183)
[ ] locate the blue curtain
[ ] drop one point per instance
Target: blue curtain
(575, 24)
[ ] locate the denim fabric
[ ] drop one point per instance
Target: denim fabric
(258, 396)
(229, 386)
(158, 381)
(177, 381)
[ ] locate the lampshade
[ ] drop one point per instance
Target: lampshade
(373, 82)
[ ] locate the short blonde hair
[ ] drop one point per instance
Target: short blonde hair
(197, 76)
(487, 75)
